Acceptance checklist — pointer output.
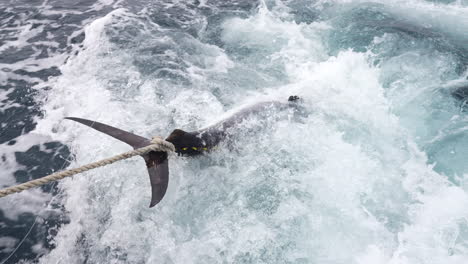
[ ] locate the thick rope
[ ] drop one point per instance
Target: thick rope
(157, 144)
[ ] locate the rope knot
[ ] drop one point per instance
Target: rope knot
(163, 144)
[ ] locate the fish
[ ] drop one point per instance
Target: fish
(190, 143)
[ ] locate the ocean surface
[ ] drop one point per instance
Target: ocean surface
(375, 171)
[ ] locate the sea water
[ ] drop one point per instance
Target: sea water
(374, 172)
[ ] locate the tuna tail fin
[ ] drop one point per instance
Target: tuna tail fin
(158, 170)
(156, 161)
(131, 139)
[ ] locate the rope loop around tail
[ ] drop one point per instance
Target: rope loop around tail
(164, 145)
(157, 144)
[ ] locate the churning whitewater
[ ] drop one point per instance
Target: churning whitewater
(373, 170)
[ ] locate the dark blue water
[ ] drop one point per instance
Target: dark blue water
(36, 37)
(376, 174)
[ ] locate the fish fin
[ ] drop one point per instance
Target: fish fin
(158, 170)
(131, 139)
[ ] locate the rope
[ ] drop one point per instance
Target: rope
(157, 144)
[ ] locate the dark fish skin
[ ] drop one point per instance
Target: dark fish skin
(158, 170)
